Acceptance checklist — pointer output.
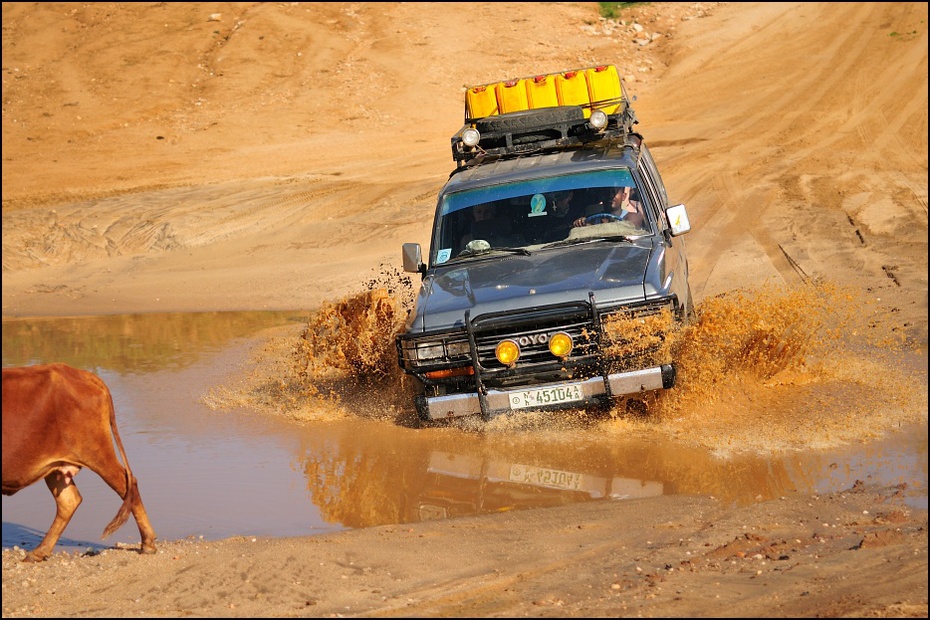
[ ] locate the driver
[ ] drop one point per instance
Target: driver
(625, 205)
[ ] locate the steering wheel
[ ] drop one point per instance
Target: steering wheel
(597, 217)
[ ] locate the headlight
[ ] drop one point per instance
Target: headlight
(427, 351)
(598, 119)
(458, 349)
(507, 352)
(433, 350)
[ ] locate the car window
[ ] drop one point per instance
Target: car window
(524, 213)
(650, 165)
(468, 198)
(652, 198)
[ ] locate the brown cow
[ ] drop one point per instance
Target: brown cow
(56, 420)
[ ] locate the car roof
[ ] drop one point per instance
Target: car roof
(594, 156)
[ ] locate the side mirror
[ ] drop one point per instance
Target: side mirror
(413, 258)
(678, 221)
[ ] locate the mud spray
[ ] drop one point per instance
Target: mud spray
(768, 370)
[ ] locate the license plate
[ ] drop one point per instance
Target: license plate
(555, 395)
(552, 478)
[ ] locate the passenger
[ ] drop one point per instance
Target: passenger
(561, 217)
(486, 225)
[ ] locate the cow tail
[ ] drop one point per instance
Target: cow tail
(132, 489)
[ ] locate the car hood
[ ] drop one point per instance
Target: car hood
(497, 282)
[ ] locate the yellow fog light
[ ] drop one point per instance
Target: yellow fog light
(560, 344)
(507, 352)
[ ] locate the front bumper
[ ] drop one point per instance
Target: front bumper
(595, 389)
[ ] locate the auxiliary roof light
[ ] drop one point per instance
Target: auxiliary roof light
(598, 119)
(471, 137)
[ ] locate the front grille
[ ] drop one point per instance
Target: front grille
(531, 330)
(534, 344)
(635, 333)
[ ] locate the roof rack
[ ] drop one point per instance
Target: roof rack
(545, 112)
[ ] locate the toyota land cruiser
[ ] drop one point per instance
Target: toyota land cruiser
(540, 291)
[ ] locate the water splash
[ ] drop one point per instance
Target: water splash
(766, 370)
(342, 363)
(780, 369)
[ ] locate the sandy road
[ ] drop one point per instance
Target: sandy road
(265, 159)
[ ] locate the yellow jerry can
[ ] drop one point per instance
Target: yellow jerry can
(540, 92)
(571, 87)
(481, 101)
(604, 85)
(511, 95)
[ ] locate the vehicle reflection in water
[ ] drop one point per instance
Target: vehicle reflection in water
(369, 473)
(458, 486)
(218, 474)
(378, 476)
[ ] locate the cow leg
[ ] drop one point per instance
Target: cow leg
(67, 499)
(142, 520)
(115, 476)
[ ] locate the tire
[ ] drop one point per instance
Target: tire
(689, 306)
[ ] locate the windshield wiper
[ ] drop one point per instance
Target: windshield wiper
(522, 251)
(558, 244)
(466, 253)
(481, 251)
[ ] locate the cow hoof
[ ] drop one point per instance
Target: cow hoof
(32, 557)
(148, 550)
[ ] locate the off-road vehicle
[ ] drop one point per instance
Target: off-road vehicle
(540, 291)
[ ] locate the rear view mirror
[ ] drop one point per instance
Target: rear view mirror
(678, 220)
(413, 259)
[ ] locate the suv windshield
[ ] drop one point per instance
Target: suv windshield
(603, 203)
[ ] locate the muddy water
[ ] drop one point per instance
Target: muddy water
(282, 424)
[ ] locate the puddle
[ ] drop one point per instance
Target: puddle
(227, 440)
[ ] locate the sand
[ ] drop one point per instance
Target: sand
(262, 156)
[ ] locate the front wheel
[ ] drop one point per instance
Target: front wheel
(690, 312)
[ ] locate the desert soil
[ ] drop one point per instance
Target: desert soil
(246, 156)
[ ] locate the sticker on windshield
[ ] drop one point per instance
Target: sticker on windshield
(537, 205)
(443, 255)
